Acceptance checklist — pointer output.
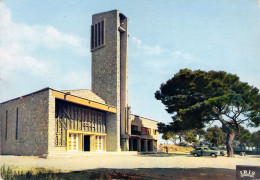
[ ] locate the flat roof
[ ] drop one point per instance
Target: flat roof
(144, 117)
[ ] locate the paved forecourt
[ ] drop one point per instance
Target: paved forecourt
(74, 163)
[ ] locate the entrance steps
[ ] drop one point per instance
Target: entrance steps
(87, 154)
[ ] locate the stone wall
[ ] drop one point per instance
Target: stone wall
(106, 72)
(113, 133)
(106, 60)
(32, 136)
(1, 119)
(52, 149)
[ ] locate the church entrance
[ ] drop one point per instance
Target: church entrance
(86, 143)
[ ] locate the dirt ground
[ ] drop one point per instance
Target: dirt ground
(153, 166)
(174, 148)
(127, 162)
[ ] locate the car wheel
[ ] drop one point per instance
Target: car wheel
(195, 155)
(213, 155)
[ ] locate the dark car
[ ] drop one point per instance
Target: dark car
(204, 151)
(221, 152)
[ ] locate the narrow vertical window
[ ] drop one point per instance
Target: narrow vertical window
(96, 35)
(16, 132)
(99, 34)
(92, 37)
(6, 117)
(102, 32)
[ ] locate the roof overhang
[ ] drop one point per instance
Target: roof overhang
(82, 101)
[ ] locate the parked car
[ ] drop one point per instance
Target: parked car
(204, 151)
(221, 152)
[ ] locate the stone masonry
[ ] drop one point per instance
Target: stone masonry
(109, 69)
(31, 113)
(29, 126)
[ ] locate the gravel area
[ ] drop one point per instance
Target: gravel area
(127, 162)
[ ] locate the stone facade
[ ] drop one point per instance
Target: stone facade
(24, 124)
(51, 130)
(113, 139)
(110, 66)
(106, 65)
(28, 124)
(34, 124)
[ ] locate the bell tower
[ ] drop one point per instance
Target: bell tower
(109, 49)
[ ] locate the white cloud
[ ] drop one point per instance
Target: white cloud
(166, 58)
(175, 58)
(77, 79)
(11, 62)
(158, 50)
(152, 50)
(54, 38)
(185, 56)
(19, 43)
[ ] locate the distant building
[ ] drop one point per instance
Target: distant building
(49, 121)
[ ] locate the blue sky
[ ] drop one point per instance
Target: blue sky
(46, 44)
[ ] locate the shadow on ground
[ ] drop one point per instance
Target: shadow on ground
(142, 173)
(253, 156)
(165, 155)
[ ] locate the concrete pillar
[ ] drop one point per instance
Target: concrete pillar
(145, 145)
(92, 143)
(139, 144)
(124, 83)
(155, 149)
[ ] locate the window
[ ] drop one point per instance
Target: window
(146, 131)
(155, 131)
(97, 35)
(16, 132)
(99, 143)
(135, 128)
(6, 117)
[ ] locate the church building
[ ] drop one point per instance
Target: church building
(50, 121)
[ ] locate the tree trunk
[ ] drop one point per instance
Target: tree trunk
(230, 136)
(229, 140)
(180, 139)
